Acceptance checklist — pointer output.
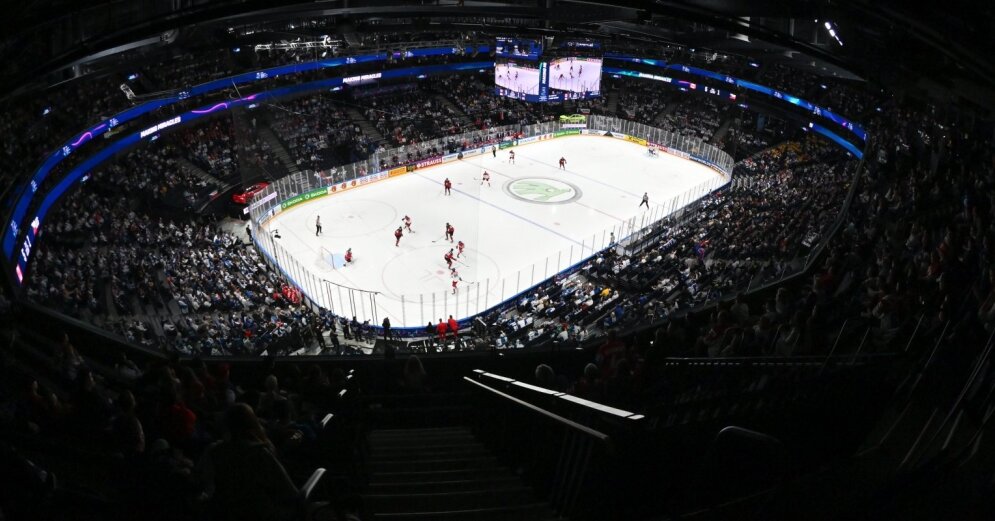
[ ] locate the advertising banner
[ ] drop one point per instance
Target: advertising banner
(303, 198)
(429, 162)
(394, 172)
(636, 140)
(341, 187)
(571, 132)
(507, 144)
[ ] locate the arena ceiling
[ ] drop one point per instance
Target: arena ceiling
(947, 45)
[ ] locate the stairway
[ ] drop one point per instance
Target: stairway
(464, 120)
(661, 118)
(267, 135)
(611, 102)
(722, 130)
(190, 168)
(444, 473)
(368, 128)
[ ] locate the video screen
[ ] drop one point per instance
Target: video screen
(517, 48)
(520, 78)
(580, 75)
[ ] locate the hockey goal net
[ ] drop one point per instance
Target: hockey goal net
(329, 260)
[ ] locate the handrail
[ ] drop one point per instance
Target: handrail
(971, 379)
(753, 360)
(600, 436)
(614, 411)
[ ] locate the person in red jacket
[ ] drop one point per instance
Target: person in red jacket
(448, 185)
(454, 326)
(441, 329)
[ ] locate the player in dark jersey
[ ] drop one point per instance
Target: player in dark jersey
(398, 233)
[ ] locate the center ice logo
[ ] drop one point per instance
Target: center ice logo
(542, 190)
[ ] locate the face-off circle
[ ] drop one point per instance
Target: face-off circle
(542, 190)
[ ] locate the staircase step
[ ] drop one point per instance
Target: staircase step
(457, 500)
(486, 462)
(430, 452)
(453, 485)
(436, 476)
(525, 512)
(386, 433)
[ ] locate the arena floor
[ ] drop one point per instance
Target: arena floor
(533, 221)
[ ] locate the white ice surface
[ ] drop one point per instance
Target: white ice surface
(511, 244)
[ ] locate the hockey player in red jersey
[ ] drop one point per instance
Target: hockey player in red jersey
(449, 185)
(455, 283)
(348, 256)
(407, 224)
(563, 163)
(449, 258)
(486, 179)
(450, 231)
(398, 233)
(459, 248)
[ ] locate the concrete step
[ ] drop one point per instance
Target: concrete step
(281, 152)
(443, 464)
(436, 476)
(431, 452)
(457, 500)
(525, 512)
(452, 485)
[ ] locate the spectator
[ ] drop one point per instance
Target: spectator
(242, 476)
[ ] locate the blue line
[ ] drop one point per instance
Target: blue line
(530, 221)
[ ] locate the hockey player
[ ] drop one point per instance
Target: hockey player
(398, 233)
(486, 178)
(448, 184)
(449, 258)
(455, 283)
(563, 163)
(317, 225)
(450, 231)
(407, 224)
(651, 150)
(646, 200)
(494, 151)
(454, 274)
(511, 156)
(348, 256)
(459, 248)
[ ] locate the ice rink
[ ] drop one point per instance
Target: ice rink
(531, 222)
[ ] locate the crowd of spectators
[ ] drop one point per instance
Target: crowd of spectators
(411, 117)
(640, 101)
(695, 116)
(913, 257)
(171, 439)
(225, 148)
(318, 133)
(474, 95)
